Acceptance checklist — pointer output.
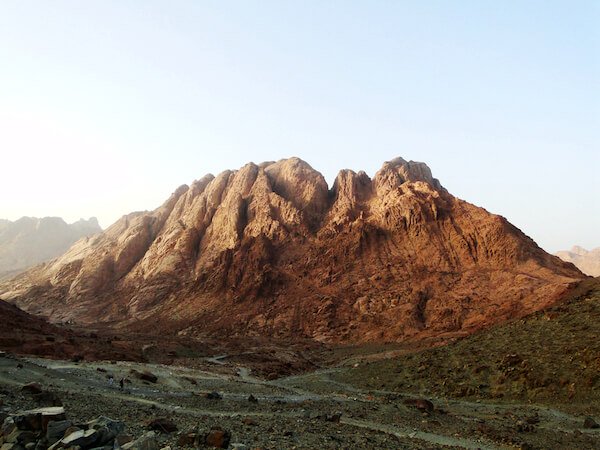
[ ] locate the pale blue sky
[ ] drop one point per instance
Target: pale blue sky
(107, 106)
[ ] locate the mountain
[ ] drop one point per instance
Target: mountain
(586, 261)
(30, 241)
(270, 250)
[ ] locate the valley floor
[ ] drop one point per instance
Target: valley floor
(314, 410)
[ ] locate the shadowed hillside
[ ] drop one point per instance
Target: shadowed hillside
(551, 357)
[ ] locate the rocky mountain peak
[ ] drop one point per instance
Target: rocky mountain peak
(269, 249)
(398, 171)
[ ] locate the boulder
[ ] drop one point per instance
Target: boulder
(187, 439)
(213, 396)
(38, 419)
(32, 388)
(56, 430)
(81, 438)
(162, 425)
(114, 426)
(217, 437)
(145, 376)
(146, 442)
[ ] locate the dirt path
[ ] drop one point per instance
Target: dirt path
(301, 404)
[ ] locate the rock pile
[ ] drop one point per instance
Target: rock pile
(49, 428)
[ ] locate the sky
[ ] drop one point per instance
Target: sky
(106, 107)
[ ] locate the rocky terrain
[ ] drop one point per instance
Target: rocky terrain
(548, 358)
(271, 250)
(29, 241)
(588, 261)
(223, 405)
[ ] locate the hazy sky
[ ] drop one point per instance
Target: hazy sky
(107, 106)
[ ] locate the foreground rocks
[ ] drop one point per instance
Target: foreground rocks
(45, 428)
(49, 428)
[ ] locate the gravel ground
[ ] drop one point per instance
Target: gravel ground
(308, 411)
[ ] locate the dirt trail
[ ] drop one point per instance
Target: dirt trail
(301, 404)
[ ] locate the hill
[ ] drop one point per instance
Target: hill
(551, 357)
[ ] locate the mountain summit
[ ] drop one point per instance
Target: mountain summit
(270, 249)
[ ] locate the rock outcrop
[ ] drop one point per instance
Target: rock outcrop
(270, 250)
(588, 261)
(30, 241)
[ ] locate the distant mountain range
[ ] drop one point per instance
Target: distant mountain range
(271, 250)
(29, 241)
(588, 261)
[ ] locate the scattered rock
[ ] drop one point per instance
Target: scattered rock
(238, 446)
(249, 421)
(590, 423)
(144, 376)
(187, 439)
(523, 427)
(56, 430)
(217, 437)
(81, 438)
(420, 403)
(335, 417)
(213, 395)
(146, 442)
(162, 425)
(32, 388)
(38, 419)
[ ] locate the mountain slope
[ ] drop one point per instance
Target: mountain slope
(550, 357)
(270, 250)
(586, 261)
(30, 241)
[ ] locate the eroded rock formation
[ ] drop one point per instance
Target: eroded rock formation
(269, 249)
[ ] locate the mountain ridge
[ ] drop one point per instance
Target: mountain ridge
(588, 261)
(30, 240)
(270, 249)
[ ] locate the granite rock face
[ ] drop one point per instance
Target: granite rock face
(270, 250)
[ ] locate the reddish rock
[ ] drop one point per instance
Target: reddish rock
(162, 425)
(420, 403)
(187, 439)
(590, 423)
(270, 250)
(217, 437)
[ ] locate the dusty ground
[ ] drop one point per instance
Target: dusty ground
(290, 413)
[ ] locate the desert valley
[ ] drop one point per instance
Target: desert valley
(261, 308)
(284, 225)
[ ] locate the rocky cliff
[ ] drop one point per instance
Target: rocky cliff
(269, 249)
(30, 241)
(588, 261)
